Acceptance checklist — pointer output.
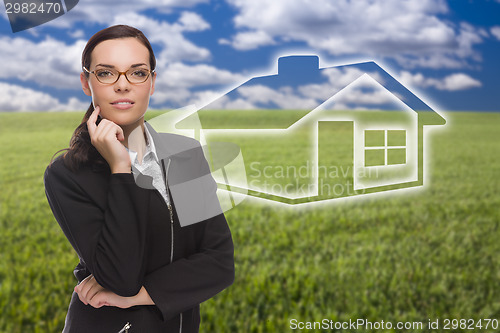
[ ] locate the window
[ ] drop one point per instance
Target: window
(385, 147)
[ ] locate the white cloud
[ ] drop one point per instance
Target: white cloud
(204, 97)
(495, 31)
(175, 47)
(255, 95)
(232, 104)
(452, 82)
(99, 11)
(173, 97)
(341, 77)
(178, 74)
(17, 98)
(17, 53)
(434, 61)
(359, 97)
(48, 63)
(77, 34)
(417, 80)
(53, 63)
(224, 41)
(250, 40)
(193, 22)
(175, 82)
(284, 98)
(459, 81)
(409, 31)
(338, 78)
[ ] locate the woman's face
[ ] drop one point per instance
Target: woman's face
(122, 102)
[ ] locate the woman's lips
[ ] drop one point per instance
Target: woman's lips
(122, 104)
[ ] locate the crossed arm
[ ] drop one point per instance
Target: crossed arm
(91, 292)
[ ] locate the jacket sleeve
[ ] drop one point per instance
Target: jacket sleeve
(109, 237)
(190, 281)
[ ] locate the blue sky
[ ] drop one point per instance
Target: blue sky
(446, 52)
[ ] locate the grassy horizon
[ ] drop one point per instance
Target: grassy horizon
(413, 255)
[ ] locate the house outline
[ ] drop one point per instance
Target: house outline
(418, 112)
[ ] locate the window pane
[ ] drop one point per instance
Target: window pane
(374, 157)
(396, 156)
(396, 138)
(374, 138)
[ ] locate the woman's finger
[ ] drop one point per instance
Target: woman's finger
(100, 299)
(94, 289)
(91, 122)
(79, 286)
(114, 131)
(119, 134)
(85, 287)
(91, 288)
(82, 299)
(101, 132)
(106, 132)
(106, 138)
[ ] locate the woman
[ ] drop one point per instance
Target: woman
(153, 247)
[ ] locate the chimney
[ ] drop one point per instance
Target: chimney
(298, 65)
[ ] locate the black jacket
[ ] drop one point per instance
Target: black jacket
(122, 235)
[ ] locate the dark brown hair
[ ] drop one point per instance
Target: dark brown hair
(81, 151)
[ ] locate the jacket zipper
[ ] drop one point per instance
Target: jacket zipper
(125, 328)
(171, 212)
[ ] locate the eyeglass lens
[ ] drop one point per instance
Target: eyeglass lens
(133, 75)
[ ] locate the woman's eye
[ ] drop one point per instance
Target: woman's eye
(140, 73)
(104, 73)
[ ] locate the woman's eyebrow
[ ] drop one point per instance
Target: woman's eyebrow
(104, 65)
(112, 66)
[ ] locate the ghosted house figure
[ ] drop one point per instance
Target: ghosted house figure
(309, 133)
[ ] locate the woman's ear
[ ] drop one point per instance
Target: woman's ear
(85, 84)
(153, 80)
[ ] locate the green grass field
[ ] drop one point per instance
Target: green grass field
(413, 255)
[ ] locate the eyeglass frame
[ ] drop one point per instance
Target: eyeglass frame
(151, 71)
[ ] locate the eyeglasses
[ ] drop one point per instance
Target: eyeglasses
(110, 75)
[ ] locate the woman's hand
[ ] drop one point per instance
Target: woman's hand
(91, 292)
(87, 289)
(106, 138)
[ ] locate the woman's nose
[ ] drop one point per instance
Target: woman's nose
(122, 83)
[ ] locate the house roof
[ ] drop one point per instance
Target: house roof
(280, 100)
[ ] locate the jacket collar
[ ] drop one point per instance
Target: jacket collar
(162, 146)
(170, 145)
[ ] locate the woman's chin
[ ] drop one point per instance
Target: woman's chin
(125, 119)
